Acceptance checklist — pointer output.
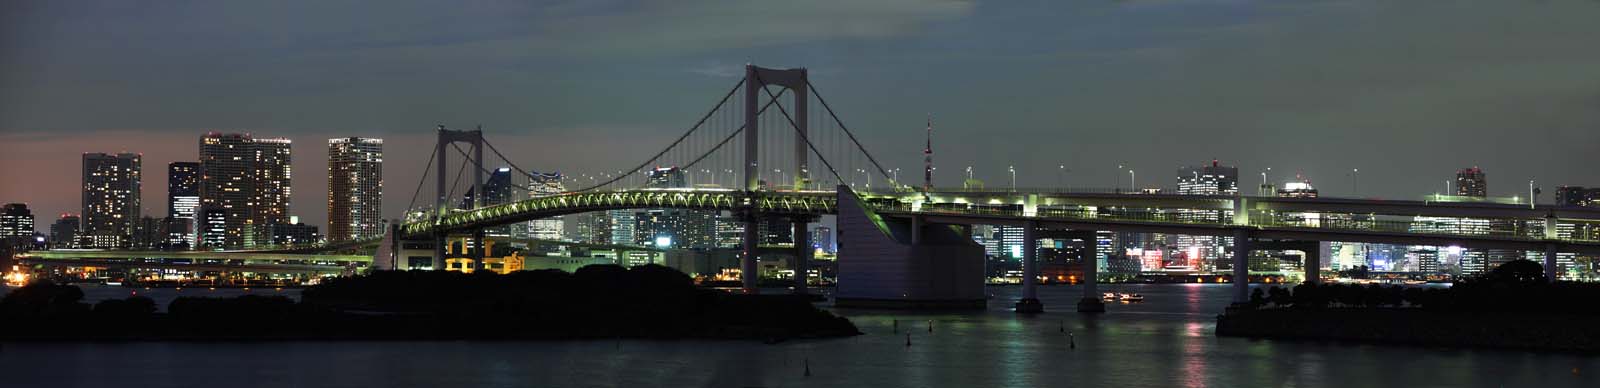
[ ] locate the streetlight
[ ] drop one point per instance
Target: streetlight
(1532, 194)
(1118, 187)
(1355, 182)
(1061, 176)
(1013, 170)
(1133, 185)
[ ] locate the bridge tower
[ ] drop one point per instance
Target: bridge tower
(756, 79)
(447, 140)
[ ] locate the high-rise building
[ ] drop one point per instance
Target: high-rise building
(822, 238)
(249, 179)
(64, 232)
(622, 225)
(1578, 196)
(666, 177)
(1471, 182)
(542, 184)
(212, 230)
(183, 198)
(16, 225)
(1213, 179)
(110, 198)
(1203, 252)
(355, 188)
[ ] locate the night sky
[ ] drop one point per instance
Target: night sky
(1406, 91)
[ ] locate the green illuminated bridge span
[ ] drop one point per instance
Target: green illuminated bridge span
(1483, 225)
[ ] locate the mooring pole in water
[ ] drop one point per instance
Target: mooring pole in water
(930, 325)
(908, 340)
(808, 367)
(897, 326)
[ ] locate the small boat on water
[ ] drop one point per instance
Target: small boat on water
(1122, 296)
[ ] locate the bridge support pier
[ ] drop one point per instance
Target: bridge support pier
(1313, 263)
(1091, 301)
(1550, 262)
(802, 254)
(1030, 269)
(749, 268)
(1241, 266)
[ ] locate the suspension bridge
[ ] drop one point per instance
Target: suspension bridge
(901, 244)
(785, 160)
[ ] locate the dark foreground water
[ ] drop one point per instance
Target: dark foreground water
(1166, 341)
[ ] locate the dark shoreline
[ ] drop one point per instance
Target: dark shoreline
(596, 302)
(1566, 333)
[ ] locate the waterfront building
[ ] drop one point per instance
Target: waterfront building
(1203, 252)
(212, 232)
(16, 225)
(540, 185)
(249, 179)
(822, 238)
(1471, 182)
(1578, 196)
(355, 188)
(111, 199)
(64, 232)
(294, 234)
(621, 224)
(183, 198)
(1300, 189)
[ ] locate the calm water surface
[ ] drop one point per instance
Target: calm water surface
(1165, 341)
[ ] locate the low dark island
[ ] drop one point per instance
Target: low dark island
(1512, 307)
(599, 301)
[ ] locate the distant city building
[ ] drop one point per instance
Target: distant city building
(294, 234)
(111, 193)
(183, 197)
(355, 188)
(16, 225)
(213, 227)
(1301, 189)
(622, 224)
(64, 232)
(822, 238)
(1471, 182)
(540, 185)
(148, 233)
(249, 179)
(1213, 179)
(1578, 196)
(666, 177)
(1203, 252)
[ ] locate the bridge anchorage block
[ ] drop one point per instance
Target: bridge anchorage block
(1091, 305)
(1029, 306)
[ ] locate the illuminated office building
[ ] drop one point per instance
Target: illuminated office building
(111, 196)
(355, 188)
(248, 179)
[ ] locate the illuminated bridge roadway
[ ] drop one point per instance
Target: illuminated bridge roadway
(1255, 222)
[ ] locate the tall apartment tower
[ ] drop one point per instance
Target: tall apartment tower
(110, 199)
(246, 181)
(355, 188)
(1471, 182)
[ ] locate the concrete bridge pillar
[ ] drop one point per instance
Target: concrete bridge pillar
(916, 229)
(1313, 262)
(1091, 301)
(1550, 262)
(802, 254)
(1030, 269)
(1241, 265)
(749, 268)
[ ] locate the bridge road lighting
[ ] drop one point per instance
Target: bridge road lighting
(1355, 182)
(1061, 177)
(1133, 186)
(1118, 186)
(1013, 170)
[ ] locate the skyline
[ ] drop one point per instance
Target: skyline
(1301, 88)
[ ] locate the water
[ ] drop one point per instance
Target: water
(1165, 341)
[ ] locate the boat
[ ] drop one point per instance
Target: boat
(1130, 297)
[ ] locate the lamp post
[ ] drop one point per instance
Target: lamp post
(1133, 184)
(1355, 182)
(1061, 177)
(1013, 170)
(1118, 187)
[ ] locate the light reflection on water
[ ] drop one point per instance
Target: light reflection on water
(1165, 341)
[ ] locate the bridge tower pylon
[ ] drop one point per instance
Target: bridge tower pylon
(447, 139)
(756, 79)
